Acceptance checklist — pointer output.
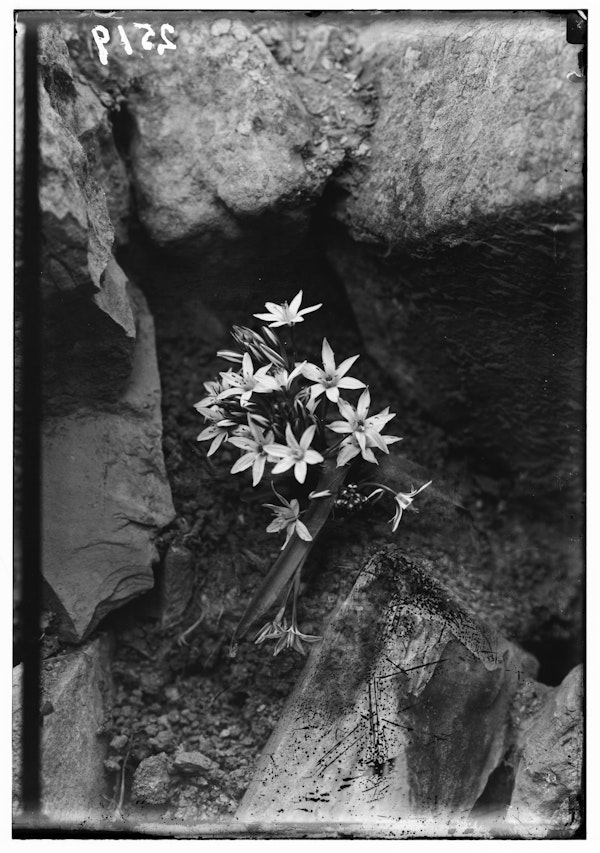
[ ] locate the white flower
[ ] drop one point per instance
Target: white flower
(214, 389)
(286, 315)
(273, 630)
(285, 379)
(292, 638)
(331, 378)
(296, 454)
(351, 448)
(255, 455)
(218, 431)
(366, 431)
(247, 382)
(403, 501)
(287, 517)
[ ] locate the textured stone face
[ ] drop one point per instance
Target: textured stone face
(88, 327)
(218, 133)
(105, 494)
(490, 344)
(466, 129)
(151, 780)
(400, 716)
(75, 704)
(467, 277)
(546, 800)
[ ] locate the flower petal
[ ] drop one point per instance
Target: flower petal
(244, 462)
(349, 382)
(300, 469)
(348, 452)
(308, 310)
(258, 469)
(312, 372)
(307, 437)
(302, 531)
(283, 465)
(340, 426)
(328, 357)
(364, 401)
(295, 303)
(345, 366)
(346, 410)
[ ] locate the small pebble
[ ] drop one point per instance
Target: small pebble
(220, 27)
(119, 742)
(239, 31)
(172, 694)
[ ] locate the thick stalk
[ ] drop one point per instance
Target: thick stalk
(296, 551)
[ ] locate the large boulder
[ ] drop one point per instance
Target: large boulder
(400, 716)
(465, 262)
(105, 495)
(88, 326)
(227, 140)
(465, 131)
(75, 706)
(548, 765)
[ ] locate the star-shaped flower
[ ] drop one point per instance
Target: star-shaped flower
(273, 630)
(296, 454)
(403, 501)
(284, 314)
(247, 381)
(287, 517)
(255, 456)
(364, 432)
(213, 389)
(292, 638)
(331, 378)
(218, 431)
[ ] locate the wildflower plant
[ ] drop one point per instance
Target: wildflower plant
(307, 422)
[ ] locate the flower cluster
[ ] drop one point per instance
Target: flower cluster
(278, 412)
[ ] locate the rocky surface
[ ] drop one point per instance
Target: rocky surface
(547, 795)
(89, 332)
(482, 338)
(463, 126)
(105, 496)
(243, 152)
(369, 730)
(75, 707)
(260, 151)
(466, 262)
(151, 780)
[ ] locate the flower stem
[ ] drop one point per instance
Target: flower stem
(293, 556)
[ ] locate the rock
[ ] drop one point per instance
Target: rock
(454, 332)
(78, 687)
(547, 797)
(89, 331)
(151, 780)
(474, 221)
(463, 129)
(218, 134)
(87, 112)
(119, 742)
(193, 762)
(105, 496)
(400, 716)
(176, 584)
